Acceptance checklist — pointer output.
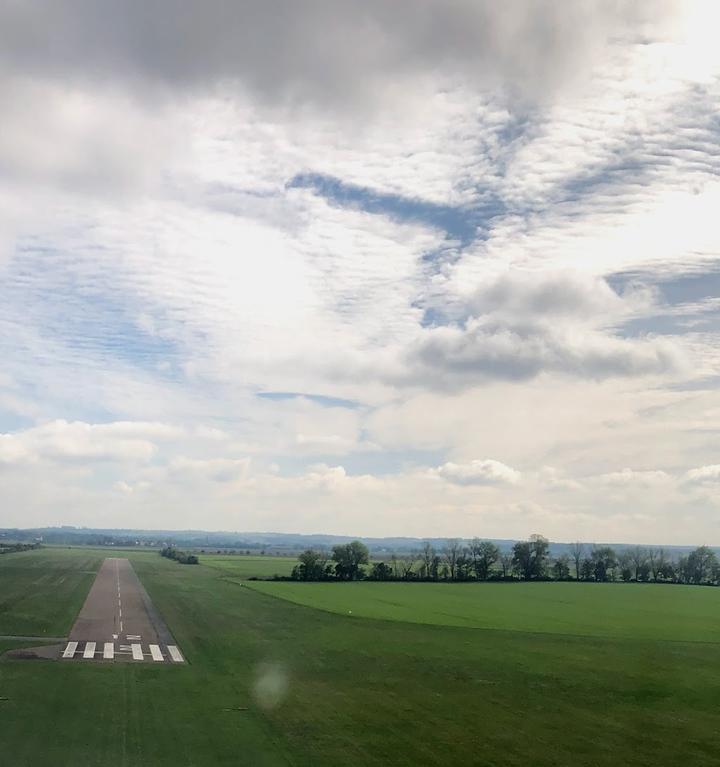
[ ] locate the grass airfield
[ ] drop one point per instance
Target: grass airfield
(270, 681)
(617, 610)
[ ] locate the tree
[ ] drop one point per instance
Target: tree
(464, 567)
(530, 557)
(484, 555)
(625, 563)
(311, 567)
(561, 569)
(638, 557)
(348, 558)
(451, 552)
(395, 563)
(506, 563)
(587, 569)
(682, 571)
(643, 574)
(407, 564)
(380, 572)
(666, 570)
(577, 551)
(435, 568)
(700, 565)
(522, 559)
(427, 554)
(656, 560)
(604, 560)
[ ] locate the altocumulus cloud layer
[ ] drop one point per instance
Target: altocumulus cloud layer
(421, 267)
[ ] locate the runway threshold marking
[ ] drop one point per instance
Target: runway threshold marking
(89, 650)
(175, 653)
(156, 653)
(137, 652)
(108, 651)
(70, 650)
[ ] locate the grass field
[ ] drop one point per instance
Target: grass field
(640, 611)
(42, 591)
(244, 567)
(364, 691)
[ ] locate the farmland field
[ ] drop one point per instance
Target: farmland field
(369, 691)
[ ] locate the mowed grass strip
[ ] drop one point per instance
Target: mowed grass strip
(620, 610)
(41, 592)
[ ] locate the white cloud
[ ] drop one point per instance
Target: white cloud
(77, 441)
(633, 478)
(479, 472)
(704, 474)
(522, 324)
(320, 51)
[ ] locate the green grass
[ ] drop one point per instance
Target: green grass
(41, 592)
(244, 567)
(363, 691)
(641, 611)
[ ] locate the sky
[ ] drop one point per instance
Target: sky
(423, 268)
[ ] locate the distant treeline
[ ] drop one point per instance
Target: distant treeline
(526, 560)
(9, 548)
(183, 557)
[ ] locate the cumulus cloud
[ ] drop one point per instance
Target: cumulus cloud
(479, 472)
(323, 50)
(709, 474)
(80, 442)
(524, 324)
(581, 297)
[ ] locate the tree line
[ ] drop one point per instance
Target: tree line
(10, 548)
(183, 557)
(481, 560)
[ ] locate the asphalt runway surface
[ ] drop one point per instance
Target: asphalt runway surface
(118, 622)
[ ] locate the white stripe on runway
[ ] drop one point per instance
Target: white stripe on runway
(175, 653)
(108, 651)
(136, 651)
(89, 650)
(155, 652)
(70, 650)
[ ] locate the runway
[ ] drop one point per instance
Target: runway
(118, 622)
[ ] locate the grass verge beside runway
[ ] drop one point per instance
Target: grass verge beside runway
(619, 610)
(361, 691)
(42, 591)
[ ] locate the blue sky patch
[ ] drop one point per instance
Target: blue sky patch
(460, 223)
(319, 399)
